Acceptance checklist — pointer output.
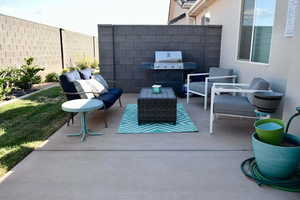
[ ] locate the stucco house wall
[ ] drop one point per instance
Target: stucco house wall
(283, 68)
(176, 10)
(292, 98)
(228, 14)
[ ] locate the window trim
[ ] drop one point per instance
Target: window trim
(253, 29)
(254, 63)
(251, 47)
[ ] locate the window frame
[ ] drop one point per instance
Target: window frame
(252, 36)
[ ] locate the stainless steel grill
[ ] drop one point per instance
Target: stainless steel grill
(166, 60)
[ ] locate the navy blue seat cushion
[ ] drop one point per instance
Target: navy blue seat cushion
(66, 82)
(110, 97)
(116, 91)
(85, 74)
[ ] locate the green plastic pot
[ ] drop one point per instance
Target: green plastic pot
(277, 162)
(268, 133)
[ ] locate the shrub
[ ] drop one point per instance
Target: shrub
(8, 78)
(28, 74)
(82, 66)
(52, 77)
(69, 69)
(37, 79)
(87, 62)
(5, 90)
(95, 64)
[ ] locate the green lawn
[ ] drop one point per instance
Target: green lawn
(27, 123)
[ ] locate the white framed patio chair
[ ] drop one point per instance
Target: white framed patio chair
(215, 75)
(240, 105)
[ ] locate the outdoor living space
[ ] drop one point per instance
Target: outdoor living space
(201, 102)
(149, 166)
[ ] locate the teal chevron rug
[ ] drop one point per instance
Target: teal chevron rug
(129, 123)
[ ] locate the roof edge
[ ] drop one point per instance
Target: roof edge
(198, 7)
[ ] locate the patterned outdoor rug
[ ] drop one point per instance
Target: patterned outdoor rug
(129, 123)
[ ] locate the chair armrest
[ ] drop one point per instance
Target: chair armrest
(252, 91)
(232, 84)
(237, 89)
(199, 74)
(74, 93)
(221, 77)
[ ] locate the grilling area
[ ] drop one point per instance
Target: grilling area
(169, 70)
(129, 53)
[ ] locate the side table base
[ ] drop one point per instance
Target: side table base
(84, 132)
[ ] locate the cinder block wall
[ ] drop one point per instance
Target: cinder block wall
(77, 45)
(123, 48)
(21, 38)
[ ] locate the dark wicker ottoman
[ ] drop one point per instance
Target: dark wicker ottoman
(157, 107)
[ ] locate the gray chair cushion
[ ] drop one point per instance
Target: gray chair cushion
(200, 87)
(257, 84)
(234, 105)
(216, 71)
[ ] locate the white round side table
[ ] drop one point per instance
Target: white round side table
(82, 106)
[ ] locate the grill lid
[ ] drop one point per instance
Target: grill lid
(168, 56)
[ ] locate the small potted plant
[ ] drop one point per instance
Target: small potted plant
(277, 156)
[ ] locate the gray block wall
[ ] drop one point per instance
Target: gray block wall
(123, 48)
(21, 39)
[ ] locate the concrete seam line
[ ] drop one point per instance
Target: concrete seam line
(128, 150)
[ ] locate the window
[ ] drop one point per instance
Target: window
(256, 30)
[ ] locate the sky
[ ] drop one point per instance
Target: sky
(84, 15)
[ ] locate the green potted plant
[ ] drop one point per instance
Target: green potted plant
(279, 161)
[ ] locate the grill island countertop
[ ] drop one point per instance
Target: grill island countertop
(169, 60)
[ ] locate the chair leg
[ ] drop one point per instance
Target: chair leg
(187, 97)
(205, 102)
(104, 118)
(211, 123)
(120, 102)
(71, 119)
(205, 93)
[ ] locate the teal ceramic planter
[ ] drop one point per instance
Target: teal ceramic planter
(277, 161)
(270, 130)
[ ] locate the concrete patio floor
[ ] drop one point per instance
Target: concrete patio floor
(141, 166)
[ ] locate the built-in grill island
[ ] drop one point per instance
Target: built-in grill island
(169, 70)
